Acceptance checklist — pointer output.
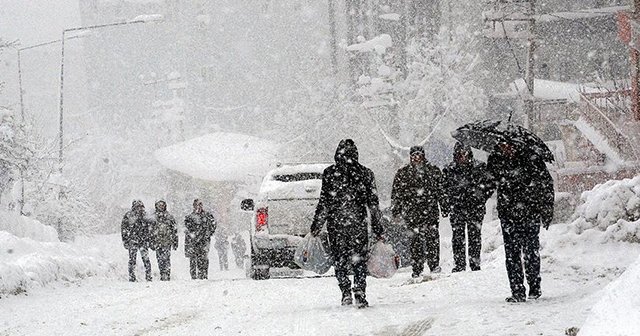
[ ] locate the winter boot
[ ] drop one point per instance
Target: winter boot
(516, 299)
(361, 299)
(458, 269)
(534, 294)
(346, 298)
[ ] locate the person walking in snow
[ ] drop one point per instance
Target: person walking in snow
(348, 192)
(525, 202)
(164, 234)
(222, 246)
(136, 237)
(239, 248)
(418, 190)
(468, 186)
(200, 225)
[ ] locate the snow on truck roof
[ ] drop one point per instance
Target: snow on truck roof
(288, 169)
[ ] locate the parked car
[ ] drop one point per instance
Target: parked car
(282, 215)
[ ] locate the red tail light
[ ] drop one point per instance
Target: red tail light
(262, 219)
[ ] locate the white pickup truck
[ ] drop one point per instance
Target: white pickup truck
(282, 215)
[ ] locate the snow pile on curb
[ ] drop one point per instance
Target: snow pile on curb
(618, 312)
(612, 208)
(26, 263)
(26, 227)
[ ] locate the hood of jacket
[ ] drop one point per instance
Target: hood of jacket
(346, 153)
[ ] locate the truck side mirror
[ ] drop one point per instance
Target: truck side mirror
(247, 205)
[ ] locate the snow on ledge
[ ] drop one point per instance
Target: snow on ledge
(220, 157)
(378, 44)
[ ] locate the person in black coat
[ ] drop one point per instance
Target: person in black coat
(164, 233)
(468, 186)
(136, 237)
(418, 190)
(348, 192)
(200, 225)
(525, 201)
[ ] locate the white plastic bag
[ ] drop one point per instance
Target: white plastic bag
(383, 261)
(311, 255)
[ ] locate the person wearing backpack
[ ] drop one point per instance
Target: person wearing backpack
(164, 236)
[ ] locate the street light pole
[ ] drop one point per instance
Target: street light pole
(138, 19)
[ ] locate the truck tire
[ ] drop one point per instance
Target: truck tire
(258, 268)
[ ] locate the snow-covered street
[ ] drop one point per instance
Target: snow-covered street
(229, 304)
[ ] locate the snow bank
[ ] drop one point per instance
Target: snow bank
(612, 208)
(618, 311)
(25, 227)
(26, 263)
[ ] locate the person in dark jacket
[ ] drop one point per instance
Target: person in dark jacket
(348, 192)
(200, 225)
(136, 237)
(418, 189)
(222, 246)
(164, 233)
(525, 201)
(239, 248)
(468, 186)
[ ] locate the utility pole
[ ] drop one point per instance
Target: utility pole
(334, 37)
(531, 49)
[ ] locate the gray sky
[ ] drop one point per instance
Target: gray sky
(35, 21)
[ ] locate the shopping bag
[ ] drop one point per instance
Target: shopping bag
(383, 261)
(311, 255)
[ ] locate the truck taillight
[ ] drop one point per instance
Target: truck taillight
(262, 218)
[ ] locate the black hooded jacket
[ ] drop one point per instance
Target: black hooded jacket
(525, 188)
(348, 191)
(135, 228)
(416, 194)
(468, 185)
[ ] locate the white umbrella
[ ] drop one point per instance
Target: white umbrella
(220, 156)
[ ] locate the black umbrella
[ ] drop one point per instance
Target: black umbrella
(486, 134)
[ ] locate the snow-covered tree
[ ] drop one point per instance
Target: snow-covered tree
(437, 95)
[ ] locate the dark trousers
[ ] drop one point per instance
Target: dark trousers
(425, 245)
(133, 255)
(164, 262)
(350, 253)
(199, 266)
(472, 227)
(522, 242)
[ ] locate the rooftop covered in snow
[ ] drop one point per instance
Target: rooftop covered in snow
(220, 157)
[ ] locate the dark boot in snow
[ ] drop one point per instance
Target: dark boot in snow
(458, 269)
(535, 294)
(516, 299)
(361, 300)
(347, 300)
